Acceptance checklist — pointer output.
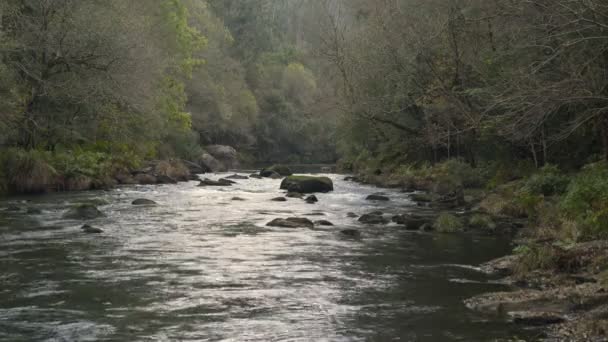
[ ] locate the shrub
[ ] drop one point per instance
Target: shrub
(460, 172)
(548, 182)
(536, 257)
(586, 200)
(483, 222)
(448, 223)
(28, 171)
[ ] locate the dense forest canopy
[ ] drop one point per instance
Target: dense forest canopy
(307, 80)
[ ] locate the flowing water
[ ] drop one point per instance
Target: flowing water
(200, 267)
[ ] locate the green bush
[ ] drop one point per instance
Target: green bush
(459, 171)
(27, 171)
(586, 200)
(448, 223)
(483, 222)
(536, 257)
(548, 181)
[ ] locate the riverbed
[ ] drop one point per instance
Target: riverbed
(200, 266)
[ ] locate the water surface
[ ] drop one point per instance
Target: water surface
(201, 267)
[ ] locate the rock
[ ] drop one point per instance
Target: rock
(170, 171)
(226, 155)
(237, 199)
(307, 184)
(235, 176)
(91, 230)
(323, 223)
(352, 215)
(294, 195)
(282, 170)
(326, 169)
(161, 179)
(427, 227)
(13, 208)
(33, 211)
(377, 197)
(291, 222)
(373, 219)
(421, 197)
(315, 214)
(535, 318)
(410, 222)
(351, 179)
(279, 199)
(125, 178)
(143, 201)
(210, 164)
(144, 178)
(351, 233)
(311, 199)
(83, 212)
(255, 175)
(227, 181)
(193, 167)
(209, 182)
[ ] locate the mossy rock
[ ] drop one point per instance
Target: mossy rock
(83, 212)
(448, 223)
(282, 170)
(307, 184)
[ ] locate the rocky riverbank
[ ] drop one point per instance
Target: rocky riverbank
(559, 285)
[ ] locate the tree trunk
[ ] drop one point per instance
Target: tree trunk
(604, 132)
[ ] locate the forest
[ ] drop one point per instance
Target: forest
(501, 105)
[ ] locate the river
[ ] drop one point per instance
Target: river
(201, 267)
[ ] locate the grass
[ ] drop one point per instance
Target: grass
(448, 223)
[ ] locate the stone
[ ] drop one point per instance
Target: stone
(143, 201)
(294, 195)
(281, 170)
(291, 222)
(145, 179)
(353, 233)
(91, 230)
(83, 212)
(307, 184)
(235, 176)
(323, 223)
(373, 219)
(237, 199)
(311, 199)
(220, 182)
(377, 197)
(279, 199)
(351, 215)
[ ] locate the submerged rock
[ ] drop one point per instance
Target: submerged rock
(162, 179)
(323, 223)
(33, 211)
(307, 184)
(279, 199)
(411, 222)
(91, 230)
(237, 199)
(220, 182)
(291, 222)
(281, 170)
(351, 233)
(235, 176)
(373, 218)
(311, 199)
(377, 197)
(255, 175)
(83, 212)
(294, 195)
(143, 201)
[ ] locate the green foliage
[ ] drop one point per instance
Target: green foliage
(536, 257)
(27, 171)
(586, 200)
(548, 181)
(483, 222)
(448, 223)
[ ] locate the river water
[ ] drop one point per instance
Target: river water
(200, 267)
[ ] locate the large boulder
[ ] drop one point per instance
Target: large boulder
(282, 170)
(227, 155)
(144, 178)
(307, 184)
(210, 164)
(170, 171)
